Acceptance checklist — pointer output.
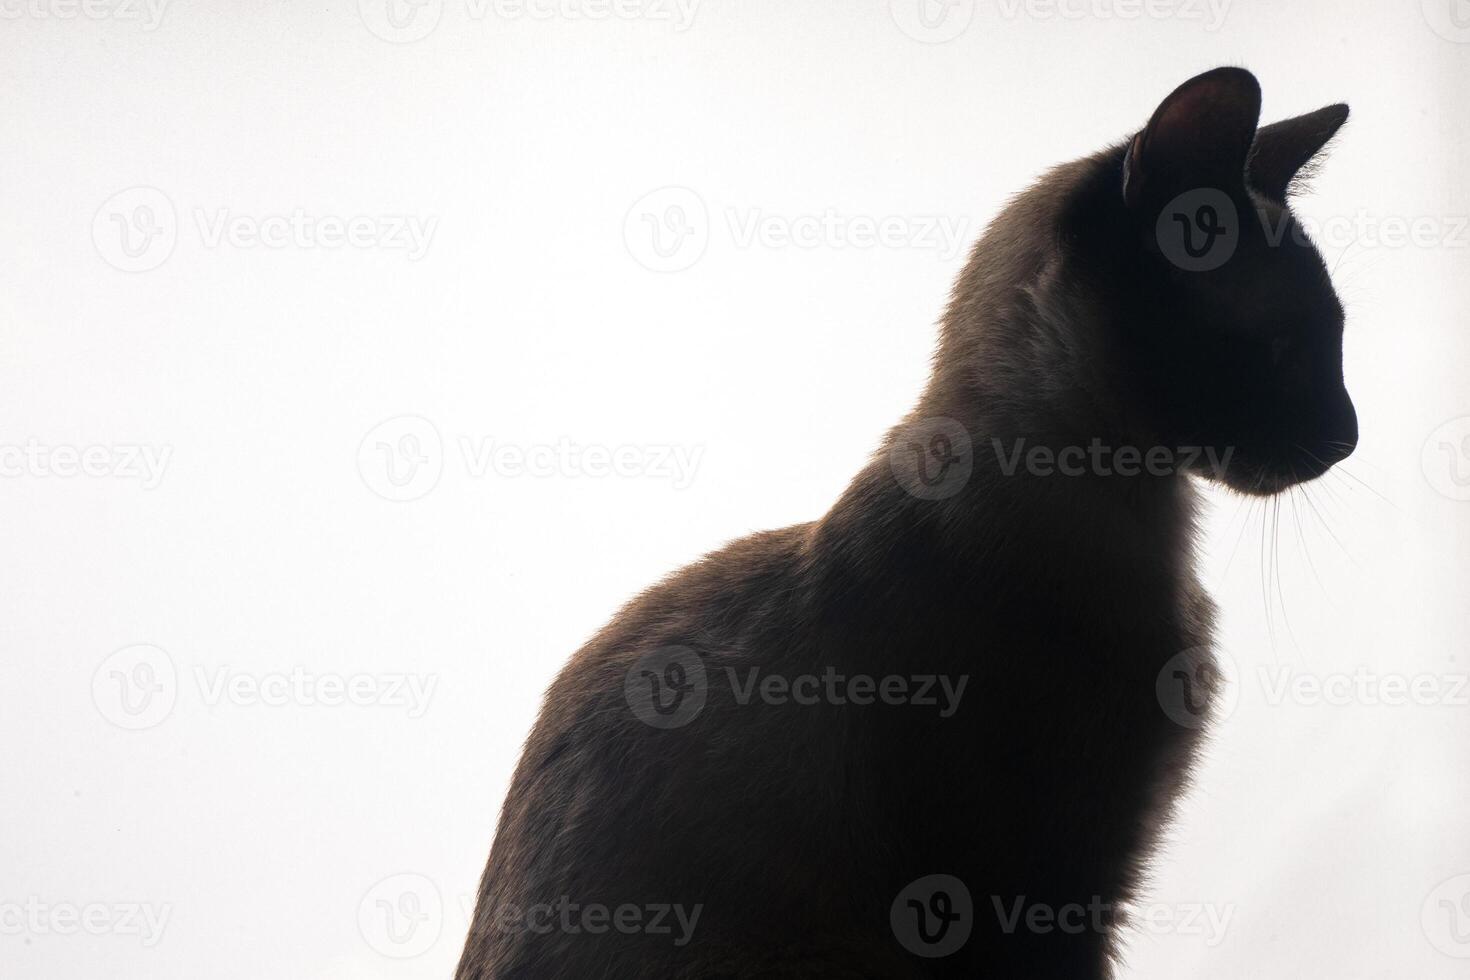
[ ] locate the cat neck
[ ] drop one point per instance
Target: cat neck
(1063, 473)
(1079, 499)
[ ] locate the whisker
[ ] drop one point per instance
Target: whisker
(1248, 505)
(1339, 468)
(1326, 525)
(1276, 560)
(1366, 486)
(1296, 519)
(1266, 584)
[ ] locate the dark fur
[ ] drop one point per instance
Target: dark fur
(795, 827)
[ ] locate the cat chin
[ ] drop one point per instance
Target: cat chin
(1265, 482)
(1265, 475)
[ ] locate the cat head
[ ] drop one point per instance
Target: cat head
(1231, 330)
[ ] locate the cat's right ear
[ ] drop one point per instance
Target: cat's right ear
(1200, 136)
(1284, 148)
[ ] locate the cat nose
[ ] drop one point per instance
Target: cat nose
(1340, 435)
(1335, 451)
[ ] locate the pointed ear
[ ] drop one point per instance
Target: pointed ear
(1283, 148)
(1199, 136)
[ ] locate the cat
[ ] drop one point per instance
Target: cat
(936, 732)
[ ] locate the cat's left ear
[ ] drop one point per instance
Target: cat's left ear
(1199, 136)
(1283, 148)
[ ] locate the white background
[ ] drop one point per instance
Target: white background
(277, 840)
